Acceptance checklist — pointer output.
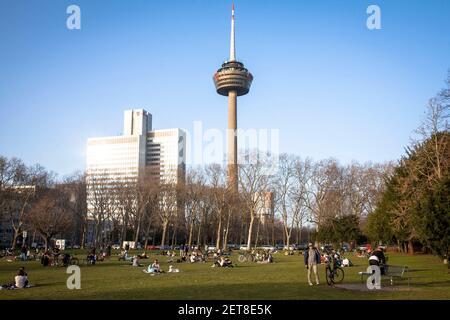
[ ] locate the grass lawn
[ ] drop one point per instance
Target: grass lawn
(284, 279)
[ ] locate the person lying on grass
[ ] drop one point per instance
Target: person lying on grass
(143, 255)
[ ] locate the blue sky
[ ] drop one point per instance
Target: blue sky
(332, 87)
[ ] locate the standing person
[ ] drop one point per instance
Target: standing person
(23, 253)
(108, 250)
(312, 259)
(181, 250)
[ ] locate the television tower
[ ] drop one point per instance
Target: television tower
(232, 80)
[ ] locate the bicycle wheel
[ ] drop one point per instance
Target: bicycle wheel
(242, 258)
(338, 275)
(329, 276)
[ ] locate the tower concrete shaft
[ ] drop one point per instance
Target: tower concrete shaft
(232, 141)
(232, 80)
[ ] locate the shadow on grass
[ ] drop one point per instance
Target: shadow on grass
(431, 284)
(265, 291)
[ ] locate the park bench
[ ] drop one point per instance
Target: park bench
(396, 272)
(391, 272)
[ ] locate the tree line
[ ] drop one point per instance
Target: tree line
(406, 202)
(270, 208)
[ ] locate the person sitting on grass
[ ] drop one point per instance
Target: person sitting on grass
(172, 269)
(225, 262)
(20, 281)
(91, 257)
(66, 259)
(267, 259)
(45, 260)
(135, 262)
(154, 268)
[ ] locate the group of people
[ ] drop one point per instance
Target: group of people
(312, 258)
(265, 257)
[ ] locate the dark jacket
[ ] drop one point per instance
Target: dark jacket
(306, 256)
(380, 255)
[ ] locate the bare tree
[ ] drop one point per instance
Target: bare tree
(98, 189)
(193, 194)
(435, 121)
(168, 207)
(75, 188)
(19, 185)
(49, 215)
(217, 176)
(253, 182)
(324, 186)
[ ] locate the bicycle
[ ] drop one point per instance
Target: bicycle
(333, 273)
(246, 256)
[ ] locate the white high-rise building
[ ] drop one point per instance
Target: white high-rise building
(126, 157)
(137, 122)
(166, 151)
(120, 160)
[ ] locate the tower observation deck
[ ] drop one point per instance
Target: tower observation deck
(232, 80)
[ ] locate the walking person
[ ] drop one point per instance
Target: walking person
(312, 259)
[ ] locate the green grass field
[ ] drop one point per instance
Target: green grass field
(284, 279)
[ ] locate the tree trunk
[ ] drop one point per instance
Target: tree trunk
(147, 232)
(219, 232)
(250, 230)
(287, 234)
(14, 240)
(164, 230)
(174, 235)
(225, 239)
(191, 233)
(257, 233)
(138, 230)
(273, 230)
(46, 240)
(410, 247)
(83, 236)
